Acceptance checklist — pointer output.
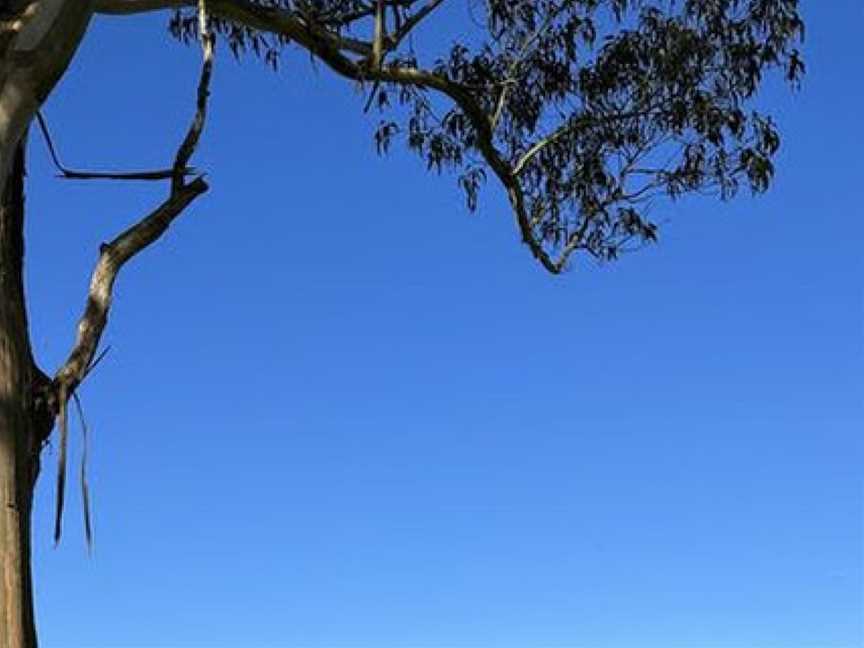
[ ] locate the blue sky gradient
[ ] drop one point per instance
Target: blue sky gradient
(341, 412)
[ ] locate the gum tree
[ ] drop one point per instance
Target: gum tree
(588, 114)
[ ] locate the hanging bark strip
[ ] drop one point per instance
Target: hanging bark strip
(85, 487)
(63, 425)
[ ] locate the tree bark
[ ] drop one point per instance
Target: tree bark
(38, 39)
(22, 427)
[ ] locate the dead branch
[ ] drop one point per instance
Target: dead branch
(113, 256)
(70, 174)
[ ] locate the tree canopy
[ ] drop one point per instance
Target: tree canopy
(589, 114)
(586, 111)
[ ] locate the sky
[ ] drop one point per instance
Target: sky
(339, 411)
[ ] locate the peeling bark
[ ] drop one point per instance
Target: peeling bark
(37, 41)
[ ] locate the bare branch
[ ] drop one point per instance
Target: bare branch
(113, 256)
(83, 358)
(190, 142)
(160, 174)
(573, 126)
(69, 174)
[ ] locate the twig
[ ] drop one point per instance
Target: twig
(71, 174)
(95, 362)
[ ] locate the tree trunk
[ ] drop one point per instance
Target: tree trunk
(37, 40)
(21, 429)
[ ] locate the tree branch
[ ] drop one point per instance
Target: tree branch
(327, 47)
(112, 258)
(516, 63)
(190, 142)
(411, 23)
(114, 255)
(330, 47)
(70, 174)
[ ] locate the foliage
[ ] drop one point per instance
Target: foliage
(588, 111)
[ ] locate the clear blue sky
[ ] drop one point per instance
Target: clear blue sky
(340, 412)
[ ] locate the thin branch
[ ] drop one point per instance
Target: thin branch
(193, 136)
(340, 19)
(510, 79)
(92, 324)
(70, 174)
(164, 174)
(96, 361)
(409, 25)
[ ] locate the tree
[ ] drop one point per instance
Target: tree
(586, 112)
